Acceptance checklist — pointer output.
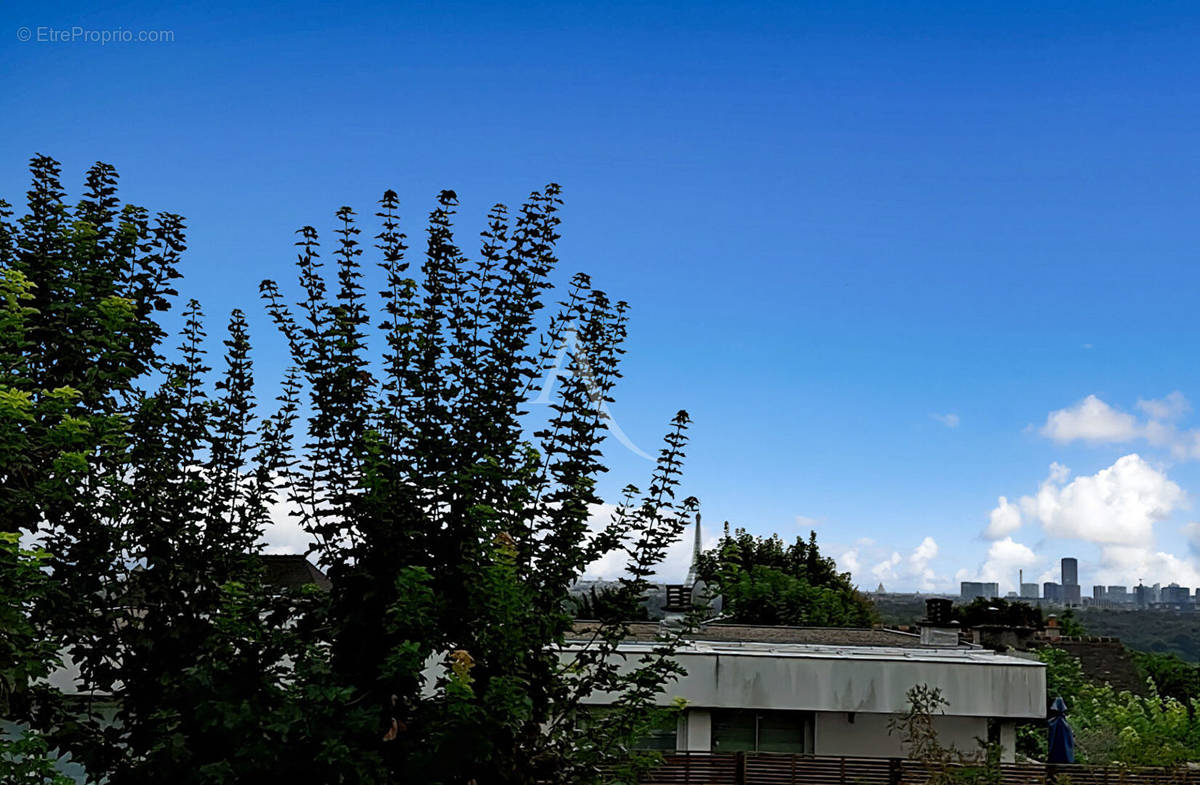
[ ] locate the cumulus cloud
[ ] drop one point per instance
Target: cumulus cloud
(890, 566)
(1128, 565)
(1091, 420)
(283, 533)
(1096, 422)
(918, 563)
(672, 569)
(1117, 510)
(887, 567)
(1004, 558)
(848, 562)
(950, 420)
(1004, 520)
(1116, 506)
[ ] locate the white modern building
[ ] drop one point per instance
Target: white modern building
(806, 692)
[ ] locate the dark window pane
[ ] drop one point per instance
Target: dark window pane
(733, 731)
(782, 731)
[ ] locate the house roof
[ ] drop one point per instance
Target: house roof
(749, 633)
(291, 571)
(960, 656)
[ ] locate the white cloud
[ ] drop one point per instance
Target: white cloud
(283, 533)
(950, 420)
(886, 569)
(1091, 420)
(1004, 558)
(890, 567)
(672, 569)
(1172, 407)
(807, 523)
(1004, 520)
(918, 562)
(923, 553)
(1127, 565)
(1116, 506)
(1096, 422)
(848, 562)
(1192, 533)
(1116, 510)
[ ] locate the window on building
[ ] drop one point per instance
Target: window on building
(747, 730)
(662, 736)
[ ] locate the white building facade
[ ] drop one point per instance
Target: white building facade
(839, 700)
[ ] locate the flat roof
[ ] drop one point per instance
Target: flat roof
(962, 656)
(833, 636)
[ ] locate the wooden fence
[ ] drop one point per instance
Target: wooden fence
(760, 768)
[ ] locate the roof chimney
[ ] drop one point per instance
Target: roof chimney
(938, 628)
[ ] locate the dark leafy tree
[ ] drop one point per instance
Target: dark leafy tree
(609, 604)
(763, 581)
(1173, 677)
(433, 509)
(451, 519)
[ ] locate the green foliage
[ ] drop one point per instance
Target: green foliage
(451, 520)
(1116, 727)
(762, 581)
(1070, 625)
(420, 468)
(1158, 631)
(1172, 676)
(608, 604)
(942, 765)
(26, 759)
(25, 654)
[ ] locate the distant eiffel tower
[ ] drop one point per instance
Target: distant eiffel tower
(694, 569)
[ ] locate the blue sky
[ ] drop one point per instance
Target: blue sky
(835, 223)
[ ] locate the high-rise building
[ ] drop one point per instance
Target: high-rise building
(1029, 591)
(1143, 595)
(970, 590)
(1052, 592)
(1071, 595)
(1099, 595)
(1117, 595)
(1070, 571)
(1177, 595)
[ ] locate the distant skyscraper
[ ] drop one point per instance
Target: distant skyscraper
(1070, 571)
(969, 590)
(1142, 593)
(1029, 591)
(1052, 592)
(1071, 594)
(1177, 595)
